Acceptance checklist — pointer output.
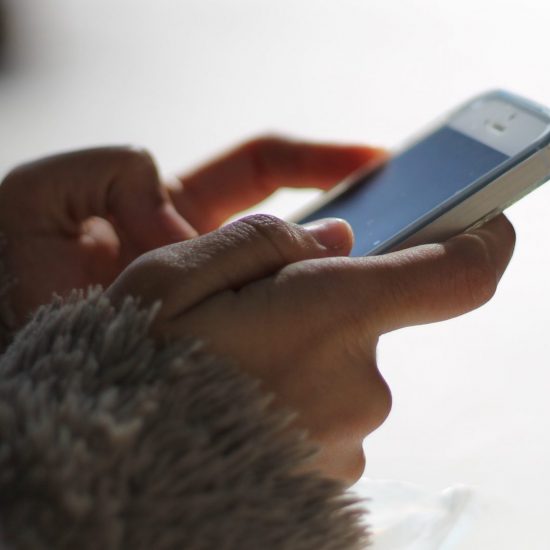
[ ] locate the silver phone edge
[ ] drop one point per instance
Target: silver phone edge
(517, 182)
(485, 204)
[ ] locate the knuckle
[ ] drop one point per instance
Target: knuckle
(137, 159)
(16, 177)
(346, 465)
(344, 462)
(147, 278)
(138, 272)
(279, 236)
(10, 181)
(356, 467)
(18, 186)
(265, 223)
(374, 413)
(363, 402)
(384, 402)
(136, 168)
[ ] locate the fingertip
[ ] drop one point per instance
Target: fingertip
(502, 226)
(500, 238)
(362, 156)
(372, 152)
(498, 224)
(334, 234)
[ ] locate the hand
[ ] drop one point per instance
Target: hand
(78, 219)
(278, 299)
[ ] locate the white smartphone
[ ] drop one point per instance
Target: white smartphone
(482, 158)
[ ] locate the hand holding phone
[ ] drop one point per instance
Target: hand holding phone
(287, 305)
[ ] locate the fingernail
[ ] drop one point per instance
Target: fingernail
(332, 233)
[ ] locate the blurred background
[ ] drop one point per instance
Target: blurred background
(467, 447)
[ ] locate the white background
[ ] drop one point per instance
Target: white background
(187, 78)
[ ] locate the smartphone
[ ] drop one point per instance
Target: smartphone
(480, 159)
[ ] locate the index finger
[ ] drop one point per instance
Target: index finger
(436, 282)
(248, 174)
(419, 285)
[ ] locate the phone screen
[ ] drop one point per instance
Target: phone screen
(410, 186)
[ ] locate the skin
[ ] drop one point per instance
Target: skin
(284, 301)
(94, 211)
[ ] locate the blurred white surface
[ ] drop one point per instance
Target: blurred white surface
(405, 516)
(188, 78)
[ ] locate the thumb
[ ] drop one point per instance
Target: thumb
(236, 254)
